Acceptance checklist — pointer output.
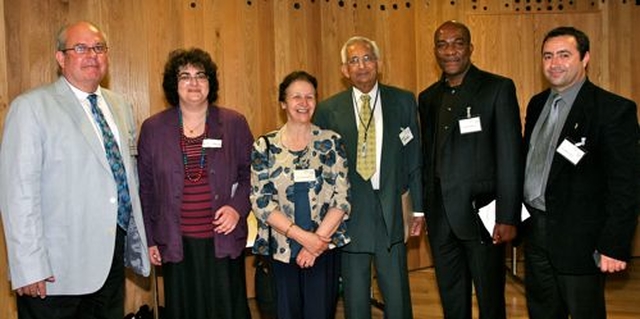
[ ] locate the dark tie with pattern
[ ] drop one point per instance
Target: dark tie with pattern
(115, 161)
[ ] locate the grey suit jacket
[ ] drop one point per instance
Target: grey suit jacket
(400, 164)
(58, 196)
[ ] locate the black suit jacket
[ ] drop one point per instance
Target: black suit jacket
(479, 166)
(592, 205)
(401, 165)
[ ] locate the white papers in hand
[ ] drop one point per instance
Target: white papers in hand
(487, 215)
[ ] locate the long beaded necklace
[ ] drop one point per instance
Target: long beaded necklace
(188, 170)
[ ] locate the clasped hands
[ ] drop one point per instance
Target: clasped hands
(313, 245)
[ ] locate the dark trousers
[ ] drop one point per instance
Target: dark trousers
(459, 263)
(106, 303)
(309, 293)
(392, 276)
(554, 295)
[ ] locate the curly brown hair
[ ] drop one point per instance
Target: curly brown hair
(181, 58)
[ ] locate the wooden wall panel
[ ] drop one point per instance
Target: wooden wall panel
(623, 63)
(262, 99)
(7, 304)
(491, 50)
(256, 42)
(337, 26)
(129, 71)
(427, 19)
(4, 80)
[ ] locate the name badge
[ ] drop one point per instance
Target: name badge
(470, 125)
(572, 152)
(211, 143)
(304, 175)
(405, 135)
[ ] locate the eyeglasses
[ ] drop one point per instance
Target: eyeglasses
(99, 48)
(366, 59)
(200, 77)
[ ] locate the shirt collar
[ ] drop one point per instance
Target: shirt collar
(569, 95)
(374, 90)
(82, 95)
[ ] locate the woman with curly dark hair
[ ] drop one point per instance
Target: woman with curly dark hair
(194, 166)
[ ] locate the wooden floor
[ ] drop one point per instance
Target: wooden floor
(623, 296)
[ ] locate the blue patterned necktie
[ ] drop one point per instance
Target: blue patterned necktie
(115, 162)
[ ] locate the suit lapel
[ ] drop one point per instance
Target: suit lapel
(575, 122)
(170, 140)
(344, 115)
(534, 109)
(216, 131)
(127, 138)
(390, 118)
(68, 102)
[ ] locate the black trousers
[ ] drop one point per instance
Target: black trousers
(459, 263)
(106, 303)
(555, 295)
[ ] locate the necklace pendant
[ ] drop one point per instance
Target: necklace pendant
(364, 149)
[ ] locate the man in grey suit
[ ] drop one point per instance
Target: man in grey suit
(473, 155)
(380, 129)
(68, 188)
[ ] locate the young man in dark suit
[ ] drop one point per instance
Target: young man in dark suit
(471, 137)
(379, 126)
(580, 184)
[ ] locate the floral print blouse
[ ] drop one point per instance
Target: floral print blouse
(272, 186)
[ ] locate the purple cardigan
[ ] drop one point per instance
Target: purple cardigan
(162, 178)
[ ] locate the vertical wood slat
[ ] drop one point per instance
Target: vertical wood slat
(256, 42)
(7, 304)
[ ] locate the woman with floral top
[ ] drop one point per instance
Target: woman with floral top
(300, 190)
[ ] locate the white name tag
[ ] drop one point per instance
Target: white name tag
(570, 151)
(304, 175)
(211, 143)
(406, 136)
(470, 125)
